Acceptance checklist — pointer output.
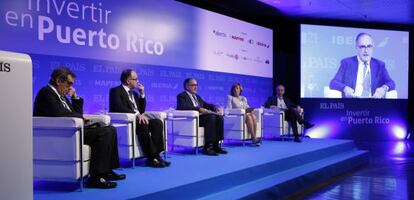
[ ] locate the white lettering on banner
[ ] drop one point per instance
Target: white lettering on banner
(89, 12)
(148, 46)
(66, 34)
(79, 36)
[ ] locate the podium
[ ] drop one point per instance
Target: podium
(16, 169)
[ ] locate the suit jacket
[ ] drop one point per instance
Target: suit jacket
(348, 71)
(119, 101)
(273, 101)
(48, 104)
(184, 103)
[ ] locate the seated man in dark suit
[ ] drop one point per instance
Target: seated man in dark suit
(149, 131)
(51, 101)
(362, 76)
(209, 117)
(293, 113)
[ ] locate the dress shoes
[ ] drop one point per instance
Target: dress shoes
(154, 163)
(209, 152)
(297, 140)
(166, 163)
(220, 150)
(112, 176)
(257, 143)
(100, 183)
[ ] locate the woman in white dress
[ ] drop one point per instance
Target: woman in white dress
(235, 100)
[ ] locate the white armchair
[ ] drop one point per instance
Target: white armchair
(128, 143)
(185, 129)
(273, 123)
(58, 150)
(235, 127)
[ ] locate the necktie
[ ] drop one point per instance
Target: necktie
(195, 101)
(131, 98)
(366, 90)
(63, 100)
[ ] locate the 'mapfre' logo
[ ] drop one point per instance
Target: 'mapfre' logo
(4, 66)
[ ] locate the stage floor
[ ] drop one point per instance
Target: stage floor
(200, 170)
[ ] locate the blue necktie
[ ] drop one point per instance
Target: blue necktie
(366, 83)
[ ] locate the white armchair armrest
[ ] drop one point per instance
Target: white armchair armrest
(57, 122)
(236, 111)
(128, 117)
(271, 111)
(185, 113)
(156, 115)
(104, 119)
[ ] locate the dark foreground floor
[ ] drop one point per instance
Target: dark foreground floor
(389, 175)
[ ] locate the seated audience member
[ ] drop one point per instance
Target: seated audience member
(51, 101)
(293, 113)
(235, 100)
(124, 99)
(210, 117)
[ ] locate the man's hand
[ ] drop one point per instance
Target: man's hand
(142, 119)
(220, 110)
(380, 93)
(203, 110)
(349, 92)
(72, 92)
(273, 107)
(141, 88)
(299, 109)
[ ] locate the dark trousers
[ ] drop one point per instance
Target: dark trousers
(293, 117)
(213, 129)
(151, 138)
(104, 149)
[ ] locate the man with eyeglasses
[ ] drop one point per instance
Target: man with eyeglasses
(124, 99)
(362, 76)
(210, 117)
(51, 101)
(293, 112)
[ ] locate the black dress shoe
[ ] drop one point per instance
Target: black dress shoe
(100, 183)
(220, 150)
(297, 140)
(209, 151)
(166, 163)
(112, 176)
(154, 163)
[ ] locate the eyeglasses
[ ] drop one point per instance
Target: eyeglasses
(362, 47)
(134, 79)
(69, 83)
(193, 85)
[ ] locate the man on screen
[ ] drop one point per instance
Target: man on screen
(362, 76)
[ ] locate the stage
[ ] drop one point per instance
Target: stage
(274, 170)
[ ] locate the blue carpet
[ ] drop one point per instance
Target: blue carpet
(224, 176)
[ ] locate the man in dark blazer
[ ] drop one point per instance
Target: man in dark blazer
(210, 118)
(124, 99)
(51, 101)
(293, 112)
(350, 78)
